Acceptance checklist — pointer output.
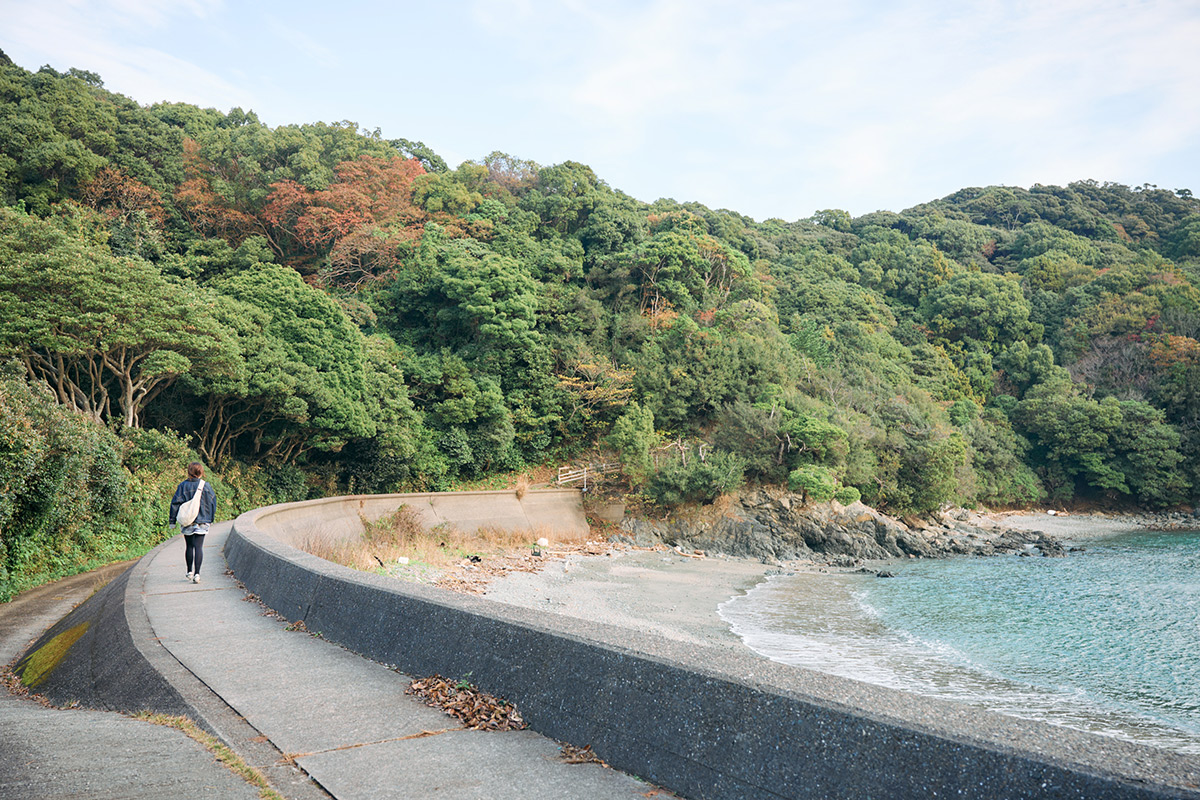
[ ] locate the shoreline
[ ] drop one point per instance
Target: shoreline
(657, 592)
(665, 593)
(655, 702)
(1072, 528)
(695, 601)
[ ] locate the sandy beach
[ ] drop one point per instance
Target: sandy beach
(657, 592)
(664, 593)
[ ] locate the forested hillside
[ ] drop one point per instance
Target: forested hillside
(315, 309)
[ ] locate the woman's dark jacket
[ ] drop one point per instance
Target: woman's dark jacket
(185, 491)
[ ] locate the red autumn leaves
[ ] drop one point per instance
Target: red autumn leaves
(356, 229)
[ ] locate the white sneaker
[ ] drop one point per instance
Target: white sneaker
(187, 577)
(196, 578)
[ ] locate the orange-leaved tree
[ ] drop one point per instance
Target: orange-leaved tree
(365, 221)
(210, 197)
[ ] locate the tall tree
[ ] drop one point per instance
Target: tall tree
(107, 334)
(319, 374)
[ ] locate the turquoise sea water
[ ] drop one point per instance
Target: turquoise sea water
(1106, 640)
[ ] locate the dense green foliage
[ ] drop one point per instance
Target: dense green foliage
(318, 309)
(76, 495)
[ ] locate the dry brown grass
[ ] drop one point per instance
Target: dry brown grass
(228, 758)
(401, 535)
(532, 476)
(99, 584)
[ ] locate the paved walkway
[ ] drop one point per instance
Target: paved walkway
(343, 719)
(49, 752)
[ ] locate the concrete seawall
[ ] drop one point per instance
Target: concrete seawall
(705, 722)
(549, 510)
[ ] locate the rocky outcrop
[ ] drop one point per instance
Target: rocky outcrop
(1172, 521)
(775, 526)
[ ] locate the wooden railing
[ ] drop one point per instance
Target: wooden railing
(570, 475)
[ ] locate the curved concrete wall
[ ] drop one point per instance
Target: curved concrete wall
(537, 510)
(704, 722)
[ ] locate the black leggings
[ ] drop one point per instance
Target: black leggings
(194, 555)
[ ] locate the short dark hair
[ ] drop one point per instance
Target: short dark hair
(195, 470)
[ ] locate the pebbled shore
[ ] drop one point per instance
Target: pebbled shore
(774, 527)
(669, 592)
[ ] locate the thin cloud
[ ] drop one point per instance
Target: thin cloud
(151, 13)
(89, 36)
(305, 44)
(774, 108)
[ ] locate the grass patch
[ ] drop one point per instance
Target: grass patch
(97, 585)
(229, 759)
(23, 582)
(532, 476)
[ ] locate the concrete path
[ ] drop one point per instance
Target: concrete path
(343, 719)
(74, 753)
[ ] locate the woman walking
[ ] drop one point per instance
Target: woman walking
(193, 531)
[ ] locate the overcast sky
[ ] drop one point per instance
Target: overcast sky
(772, 109)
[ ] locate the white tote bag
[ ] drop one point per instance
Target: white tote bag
(191, 509)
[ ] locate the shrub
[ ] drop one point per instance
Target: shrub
(154, 450)
(239, 488)
(67, 501)
(817, 484)
(847, 495)
(631, 437)
(286, 483)
(694, 480)
(155, 462)
(74, 495)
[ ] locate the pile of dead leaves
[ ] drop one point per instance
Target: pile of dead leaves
(10, 681)
(479, 711)
(571, 754)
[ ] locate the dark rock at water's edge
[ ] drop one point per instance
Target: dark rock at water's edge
(775, 526)
(1172, 521)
